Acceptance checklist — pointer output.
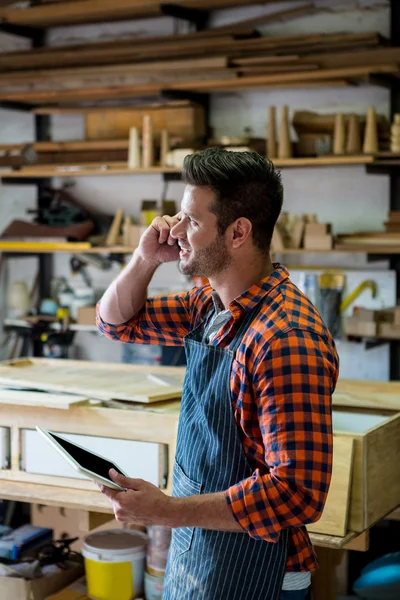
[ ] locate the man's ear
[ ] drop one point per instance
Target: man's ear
(241, 230)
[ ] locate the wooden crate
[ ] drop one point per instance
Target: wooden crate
(375, 482)
(186, 121)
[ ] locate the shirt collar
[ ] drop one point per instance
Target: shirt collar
(251, 297)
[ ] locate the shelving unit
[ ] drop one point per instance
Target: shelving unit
(120, 168)
(33, 22)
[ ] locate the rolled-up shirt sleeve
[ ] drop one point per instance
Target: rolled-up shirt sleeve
(163, 320)
(292, 386)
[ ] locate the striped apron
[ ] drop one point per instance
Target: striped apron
(216, 565)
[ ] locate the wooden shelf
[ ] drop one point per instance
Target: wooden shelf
(343, 249)
(82, 247)
(71, 247)
(323, 161)
(51, 495)
(94, 170)
(56, 326)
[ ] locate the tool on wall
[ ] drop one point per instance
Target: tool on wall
(364, 285)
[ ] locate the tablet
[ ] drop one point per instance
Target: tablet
(91, 465)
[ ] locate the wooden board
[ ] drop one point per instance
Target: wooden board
(382, 485)
(335, 515)
(51, 495)
(26, 398)
(122, 382)
(187, 122)
(332, 541)
(367, 394)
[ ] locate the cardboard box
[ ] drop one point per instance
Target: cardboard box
(75, 591)
(318, 229)
(87, 315)
(14, 588)
(357, 327)
(318, 242)
(390, 331)
(67, 523)
(365, 314)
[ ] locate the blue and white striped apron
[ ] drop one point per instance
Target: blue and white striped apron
(216, 565)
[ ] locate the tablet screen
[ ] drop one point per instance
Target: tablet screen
(87, 459)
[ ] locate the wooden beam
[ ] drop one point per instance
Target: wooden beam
(193, 65)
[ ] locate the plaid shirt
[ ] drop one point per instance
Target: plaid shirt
(282, 381)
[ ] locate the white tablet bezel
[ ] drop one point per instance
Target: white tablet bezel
(48, 435)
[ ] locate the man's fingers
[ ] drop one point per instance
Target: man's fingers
(164, 225)
(126, 482)
(110, 493)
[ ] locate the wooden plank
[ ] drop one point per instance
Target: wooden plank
(383, 484)
(187, 122)
(360, 543)
(83, 377)
(335, 514)
(51, 495)
(190, 65)
(367, 394)
(267, 60)
(143, 423)
(141, 91)
(323, 161)
(281, 79)
(25, 398)
(189, 45)
(332, 541)
(92, 170)
(153, 106)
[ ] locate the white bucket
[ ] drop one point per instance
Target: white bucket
(114, 564)
(153, 587)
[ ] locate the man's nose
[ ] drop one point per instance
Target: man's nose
(178, 231)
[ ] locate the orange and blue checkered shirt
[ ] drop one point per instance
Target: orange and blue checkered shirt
(282, 381)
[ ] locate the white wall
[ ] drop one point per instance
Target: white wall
(345, 196)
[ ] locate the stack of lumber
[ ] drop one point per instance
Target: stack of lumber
(207, 61)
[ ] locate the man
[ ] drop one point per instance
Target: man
(254, 448)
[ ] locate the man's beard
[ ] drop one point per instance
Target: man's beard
(208, 261)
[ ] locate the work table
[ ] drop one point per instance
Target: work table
(366, 438)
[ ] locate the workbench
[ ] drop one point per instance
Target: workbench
(366, 448)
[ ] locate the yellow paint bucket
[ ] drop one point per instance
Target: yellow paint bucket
(115, 564)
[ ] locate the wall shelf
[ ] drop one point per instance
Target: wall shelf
(101, 170)
(21, 323)
(94, 170)
(70, 247)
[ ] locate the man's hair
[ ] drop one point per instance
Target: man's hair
(245, 185)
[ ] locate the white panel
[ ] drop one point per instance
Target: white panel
(5, 451)
(355, 422)
(137, 459)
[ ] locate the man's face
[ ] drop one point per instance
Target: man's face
(203, 251)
